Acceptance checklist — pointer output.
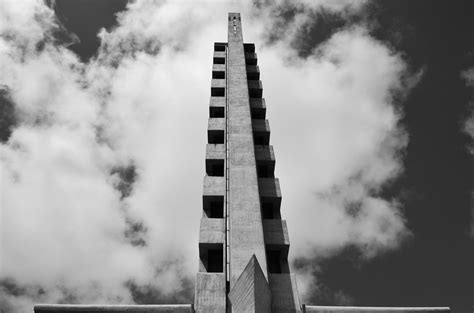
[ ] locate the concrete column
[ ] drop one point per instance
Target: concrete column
(246, 230)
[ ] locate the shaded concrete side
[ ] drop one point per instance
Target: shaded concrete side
(246, 231)
(251, 292)
(355, 309)
(210, 295)
(284, 293)
(275, 232)
(264, 153)
(62, 308)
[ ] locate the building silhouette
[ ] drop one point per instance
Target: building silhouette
(243, 241)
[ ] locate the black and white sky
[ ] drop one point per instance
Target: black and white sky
(103, 118)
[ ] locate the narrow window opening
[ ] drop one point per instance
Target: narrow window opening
(215, 260)
(270, 209)
(267, 211)
(274, 261)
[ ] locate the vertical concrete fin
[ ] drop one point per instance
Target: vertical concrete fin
(251, 292)
(245, 219)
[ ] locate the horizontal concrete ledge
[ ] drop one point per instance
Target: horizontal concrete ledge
(342, 309)
(150, 308)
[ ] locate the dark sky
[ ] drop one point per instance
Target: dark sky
(434, 268)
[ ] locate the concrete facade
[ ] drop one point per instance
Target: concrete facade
(255, 238)
(243, 241)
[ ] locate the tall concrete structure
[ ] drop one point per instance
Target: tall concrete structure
(243, 242)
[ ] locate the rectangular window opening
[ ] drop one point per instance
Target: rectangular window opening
(253, 75)
(214, 207)
(216, 112)
(265, 171)
(217, 92)
(270, 211)
(274, 262)
(219, 46)
(260, 138)
(218, 74)
(251, 61)
(215, 136)
(255, 93)
(212, 257)
(277, 262)
(219, 60)
(257, 113)
(215, 167)
(249, 47)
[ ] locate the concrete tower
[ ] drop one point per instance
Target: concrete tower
(243, 242)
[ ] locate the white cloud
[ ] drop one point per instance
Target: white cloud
(143, 101)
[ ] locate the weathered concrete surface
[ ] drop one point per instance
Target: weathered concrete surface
(216, 124)
(212, 230)
(218, 83)
(246, 230)
(251, 292)
(210, 294)
(215, 151)
(219, 54)
(284, 293)
(218, 67)
(214, 186)
(63, 308)
(355, 309)
(276, 232)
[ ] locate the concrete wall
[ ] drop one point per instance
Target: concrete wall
(284, 293)
(210, 295)
(246, 230)
(212, 230)
(66, 308)
(276, 232)
(348, 309)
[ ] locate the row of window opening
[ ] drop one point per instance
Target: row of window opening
(217, 137)
(212, 258)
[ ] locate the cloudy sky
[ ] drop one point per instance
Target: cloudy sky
(103, 117)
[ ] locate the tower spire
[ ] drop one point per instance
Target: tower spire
(243, 241)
